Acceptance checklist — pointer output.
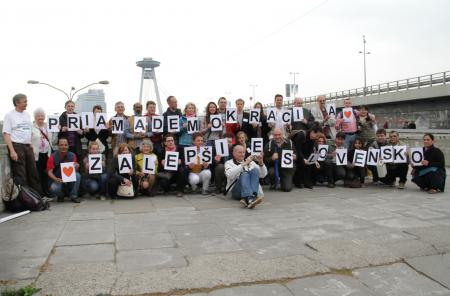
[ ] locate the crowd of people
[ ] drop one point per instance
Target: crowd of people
(319, 147)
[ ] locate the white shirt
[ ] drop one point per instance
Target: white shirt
(18, 126)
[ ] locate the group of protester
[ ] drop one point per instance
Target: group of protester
(291, 154)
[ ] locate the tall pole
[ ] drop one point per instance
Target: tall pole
(364, 52)
(294, 88)
(254, 86)
(142, 85)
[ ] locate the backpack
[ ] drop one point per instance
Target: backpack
(17, 198)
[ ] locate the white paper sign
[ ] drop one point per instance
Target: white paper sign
(190, 154)
(271, 115)
(173, 123)
(95, 164)
(373, 156)
(87, 119)
(347, 114)
(216, 122)
(312, 158)
(254, 116)
(387, 154)
(100, 120)
(322, 150)
(125, 163)
(68, 173)
(400, 154)
(73, 122)
(149, 164)
(286, 116)
(297, 114)
(417, 156)
(256, 146)
(331, 110)
(171, 161)
(359, 158)
(222, 147)
(341, 156)
(53, 123)
(157, 124)
(117, 125)
(193, 125)
(231, 115)
(206, 154)
(287, 158)
(140, 124)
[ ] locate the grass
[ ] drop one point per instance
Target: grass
(24, 291)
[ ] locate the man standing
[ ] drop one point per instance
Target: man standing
(321, 116)
(171, 110)
(242, 121)
(299, 128)
(222, 104)
(17, 136)
(135, 139)
(279, 116)
(117, 139)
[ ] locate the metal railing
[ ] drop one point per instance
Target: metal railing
(430, 80)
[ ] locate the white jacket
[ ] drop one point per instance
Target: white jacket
(233, 171)
(36, 141)
(318, 116)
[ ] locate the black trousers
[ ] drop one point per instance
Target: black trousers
(165, 178)
(399, 170)
(24, 169)
(41, 166)
(286, 178)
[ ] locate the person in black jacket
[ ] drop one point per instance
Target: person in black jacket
(263, 127)
(431, 175)
(304, 174)
(118, 178)
(92, 134)
(171, 110)
(74, 137)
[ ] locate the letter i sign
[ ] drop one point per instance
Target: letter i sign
(68, 173)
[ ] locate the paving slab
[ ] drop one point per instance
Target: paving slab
(89, 226)
(92, 216)
(436, 267)
(403, 223)
(196, 230)
(149, 259)
(256, 290)
(438, 236)
(276, 248)
(85, 238)
(83, 254)
(197, 246)
(399, 280)
(144, 240)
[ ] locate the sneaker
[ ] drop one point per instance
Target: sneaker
(253, 202)
(243, 202)
(401, 185)
(47, 199)
(180, 194)
(75, 200)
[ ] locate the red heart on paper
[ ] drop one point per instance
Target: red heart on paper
(68, 171)
(347, 114)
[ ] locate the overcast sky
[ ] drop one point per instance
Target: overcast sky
(209, 49)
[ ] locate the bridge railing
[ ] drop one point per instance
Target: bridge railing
(430, 80)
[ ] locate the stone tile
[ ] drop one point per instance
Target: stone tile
(104, 215)
(328, 285)
(314, 233)
(403, 223)
(436, 267)
(196, 230)
(20, 268)
(438, 236)
(255, 290)
(26, 249)
(207, 245)
(398, 279)
(85, 238)
(424, 214)
(169, 202)
(409, 248)
(83, 254)
(136, 260)
(144, 240)
(89, 226)
(140, 205)
(275, 248)
(371, 214)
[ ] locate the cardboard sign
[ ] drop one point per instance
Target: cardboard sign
(171, 161)
(255, 115)
(216, 122)
(140, 124)
(73, 122)
(193, 125)
(206, 154)
(256, 146)
(387, 154)
(68, 173)
(222, 147)
(157, 124)
(312, 158)
(100, 120)
(287, 158)
(322, 150)
(117, 125)
(149, 164)
(271, 115)
(400, 154)
(190, 154)
(331, 110)
(417, 156)
(173, 123)
(286, 116)
(231, 115)
(347, 114)
(87, 120)
(297, 114)
(341, 156)
(359, 158)
(125, 163)
(373, 156)
(53, 123)
(95, 164)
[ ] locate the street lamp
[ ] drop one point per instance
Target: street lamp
(364, 55)
(71, 95)
(254, 97)
(294, 88)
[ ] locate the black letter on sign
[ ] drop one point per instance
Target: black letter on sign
(117, 125)
(73, 121)
(125, 164)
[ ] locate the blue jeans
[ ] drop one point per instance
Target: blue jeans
(247, 184)
(95, 185)
(349, 139)
(72, 187)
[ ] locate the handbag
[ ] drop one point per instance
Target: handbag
(381, 169)
(10, 192)
(22, 197)
(125, 191)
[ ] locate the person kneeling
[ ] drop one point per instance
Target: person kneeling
(95, 184)
(199, 172)
(243, 177)
(146, 181)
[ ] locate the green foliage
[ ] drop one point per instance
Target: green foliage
(25, 291)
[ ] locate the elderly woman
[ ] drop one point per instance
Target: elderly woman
(42, 147)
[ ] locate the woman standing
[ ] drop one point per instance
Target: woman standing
(210, 136)
(98, 135)
(74, 137)
(263, 128)
(367, 125)
(42, 147)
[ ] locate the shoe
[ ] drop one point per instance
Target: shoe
(47, 199)
(180, 194)
(243, 202)
(75, 200)
(98, 196)
(309, 186)
(102, 197)
(205, 192)
(401, 185)
(331, 185)
(433, 191)
(253, 202)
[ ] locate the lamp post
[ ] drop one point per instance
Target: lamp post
(70, 95)
(364, 52)
(294, 88)
(254, 97)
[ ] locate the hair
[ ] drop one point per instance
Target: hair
(381, 131)
(221, 98)
(118, 103)
(347, 99)
(240, 100)
(196, 135)
(97, 107)
(168, 98)
(92, 143)
(429, 135)
(169, 135)
(137, 103)
(38, 111)
(316, 129)
(340, 135)
(364, 107)
(278, 96)
(190, 104)
(237, 145)
(146, 142)
(68, 102)
(321, 96)
(359, 139)
(62, 138)
(207, 117)
(241, 133)
(17, 98)
(149, 103)
(260, 104)
(122, 147)
(321, 136)
(393, 132)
